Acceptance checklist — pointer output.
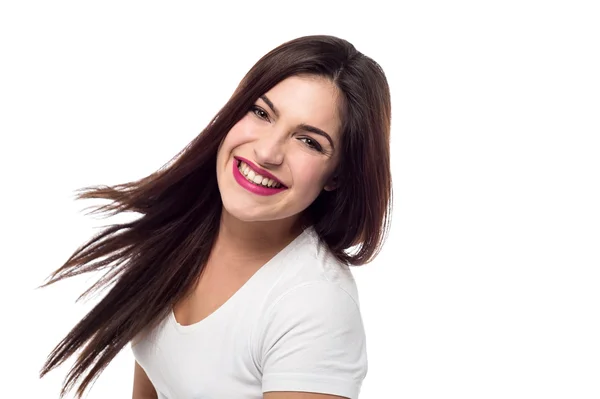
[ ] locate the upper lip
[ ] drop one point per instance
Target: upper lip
(259, 171)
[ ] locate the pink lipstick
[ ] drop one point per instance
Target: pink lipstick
(258, 189)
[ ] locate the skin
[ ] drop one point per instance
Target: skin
(254, 225)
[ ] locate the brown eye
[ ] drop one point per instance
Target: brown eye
(261, 113)
(311, 143)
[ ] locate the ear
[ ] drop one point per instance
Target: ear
(332, 184)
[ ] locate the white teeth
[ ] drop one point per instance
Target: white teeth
(256, 178)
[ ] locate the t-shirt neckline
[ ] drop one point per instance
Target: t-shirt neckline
(186, 329)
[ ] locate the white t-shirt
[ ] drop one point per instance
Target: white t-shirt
(295, 325)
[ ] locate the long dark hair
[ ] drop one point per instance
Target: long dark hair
(152, 261)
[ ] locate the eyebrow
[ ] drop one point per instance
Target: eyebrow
(302, 126)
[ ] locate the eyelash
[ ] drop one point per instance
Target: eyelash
(255, 109)
(313, 144)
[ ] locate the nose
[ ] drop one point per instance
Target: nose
(269, 150)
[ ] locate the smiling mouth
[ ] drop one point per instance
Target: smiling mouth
(251, 176)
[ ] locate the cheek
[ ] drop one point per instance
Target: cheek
(243, 130)
(311, 175)
(238, 135)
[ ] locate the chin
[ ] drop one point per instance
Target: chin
(246, 214)
(256, 214)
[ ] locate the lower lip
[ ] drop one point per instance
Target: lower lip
(253, 188)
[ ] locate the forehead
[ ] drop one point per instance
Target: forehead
(312, 100)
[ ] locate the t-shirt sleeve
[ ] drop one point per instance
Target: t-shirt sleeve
(314, 341)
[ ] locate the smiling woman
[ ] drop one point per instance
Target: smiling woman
(279, 133)
(235, 280)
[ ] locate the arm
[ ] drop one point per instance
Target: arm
(142, 387)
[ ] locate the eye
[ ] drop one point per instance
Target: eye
(261, 113)
(312, 143)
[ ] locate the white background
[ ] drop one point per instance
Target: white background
(488, 286)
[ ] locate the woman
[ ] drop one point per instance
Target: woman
(234, 282)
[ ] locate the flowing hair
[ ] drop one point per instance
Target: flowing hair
(154, 260)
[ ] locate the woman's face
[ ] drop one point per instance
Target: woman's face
(287, 144)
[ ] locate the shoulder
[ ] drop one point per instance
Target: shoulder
(312, 266)
(309, 336)
(318, 313)
(316, 296)
(312, 339)
(314, 288)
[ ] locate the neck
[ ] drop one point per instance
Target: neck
(239, 240)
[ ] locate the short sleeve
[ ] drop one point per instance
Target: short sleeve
(314, 341)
